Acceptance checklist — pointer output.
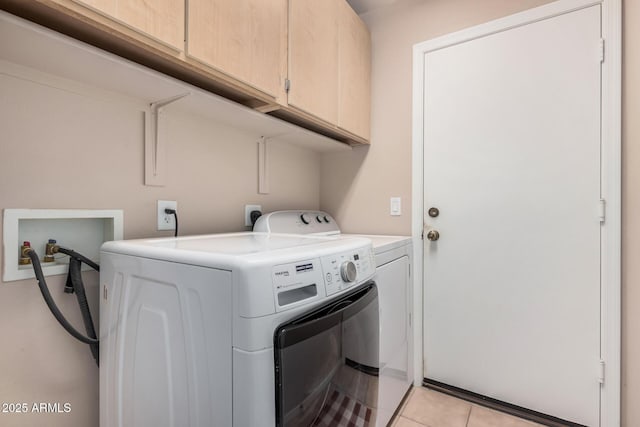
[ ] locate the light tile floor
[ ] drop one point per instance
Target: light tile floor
(424, 407)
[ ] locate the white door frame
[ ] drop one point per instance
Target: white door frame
(610, 185)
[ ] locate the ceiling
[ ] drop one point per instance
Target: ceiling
(363, 6)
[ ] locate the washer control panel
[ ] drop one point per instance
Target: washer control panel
(302, 282)
(345, 269)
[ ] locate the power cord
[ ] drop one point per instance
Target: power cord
(254, 215)
(175, 215)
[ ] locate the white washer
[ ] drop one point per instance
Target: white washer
(242, 329)
(393, 256)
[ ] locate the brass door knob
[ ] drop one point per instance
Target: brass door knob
(433, 235)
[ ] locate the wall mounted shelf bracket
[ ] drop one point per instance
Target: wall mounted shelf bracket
(155, 159)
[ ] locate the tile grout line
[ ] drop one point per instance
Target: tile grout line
(408, 399)
(414, 420)
(469, 416)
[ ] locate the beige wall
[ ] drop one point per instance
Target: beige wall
(356, 187)
(61, 149)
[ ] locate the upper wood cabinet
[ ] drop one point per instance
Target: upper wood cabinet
(354, 73)
(245, 39)
(248, 51)
(313, 57)
(160, 19)
(330, 64)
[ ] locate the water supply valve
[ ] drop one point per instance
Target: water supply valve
(49, 251)
(24, 253)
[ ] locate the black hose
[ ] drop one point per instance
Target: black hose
(68, 286)
(75, 274)
(79, 257)
(52, 305)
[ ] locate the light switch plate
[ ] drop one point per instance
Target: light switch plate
(395, 206)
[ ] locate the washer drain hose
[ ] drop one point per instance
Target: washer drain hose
(75, 266)
(44, 289)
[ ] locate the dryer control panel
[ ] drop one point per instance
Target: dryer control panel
(297, 222)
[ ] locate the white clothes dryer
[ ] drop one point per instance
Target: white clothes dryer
(394, 256)
(241, 329)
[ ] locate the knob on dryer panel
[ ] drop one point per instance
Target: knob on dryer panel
(305, 218)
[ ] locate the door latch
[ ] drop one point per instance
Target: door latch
(433, 235)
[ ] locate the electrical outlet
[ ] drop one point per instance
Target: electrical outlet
(247, 213)
(166, 221)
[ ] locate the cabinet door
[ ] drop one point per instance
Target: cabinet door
(161, 19)
(354, 73)
(313, 57)
(245, 39)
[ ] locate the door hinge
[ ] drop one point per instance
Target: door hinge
(422, 235)
(602, 205)
(601, 50)
(287, 85)
(104, 292)
(601, 372)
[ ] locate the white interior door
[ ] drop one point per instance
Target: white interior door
(512, 162)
